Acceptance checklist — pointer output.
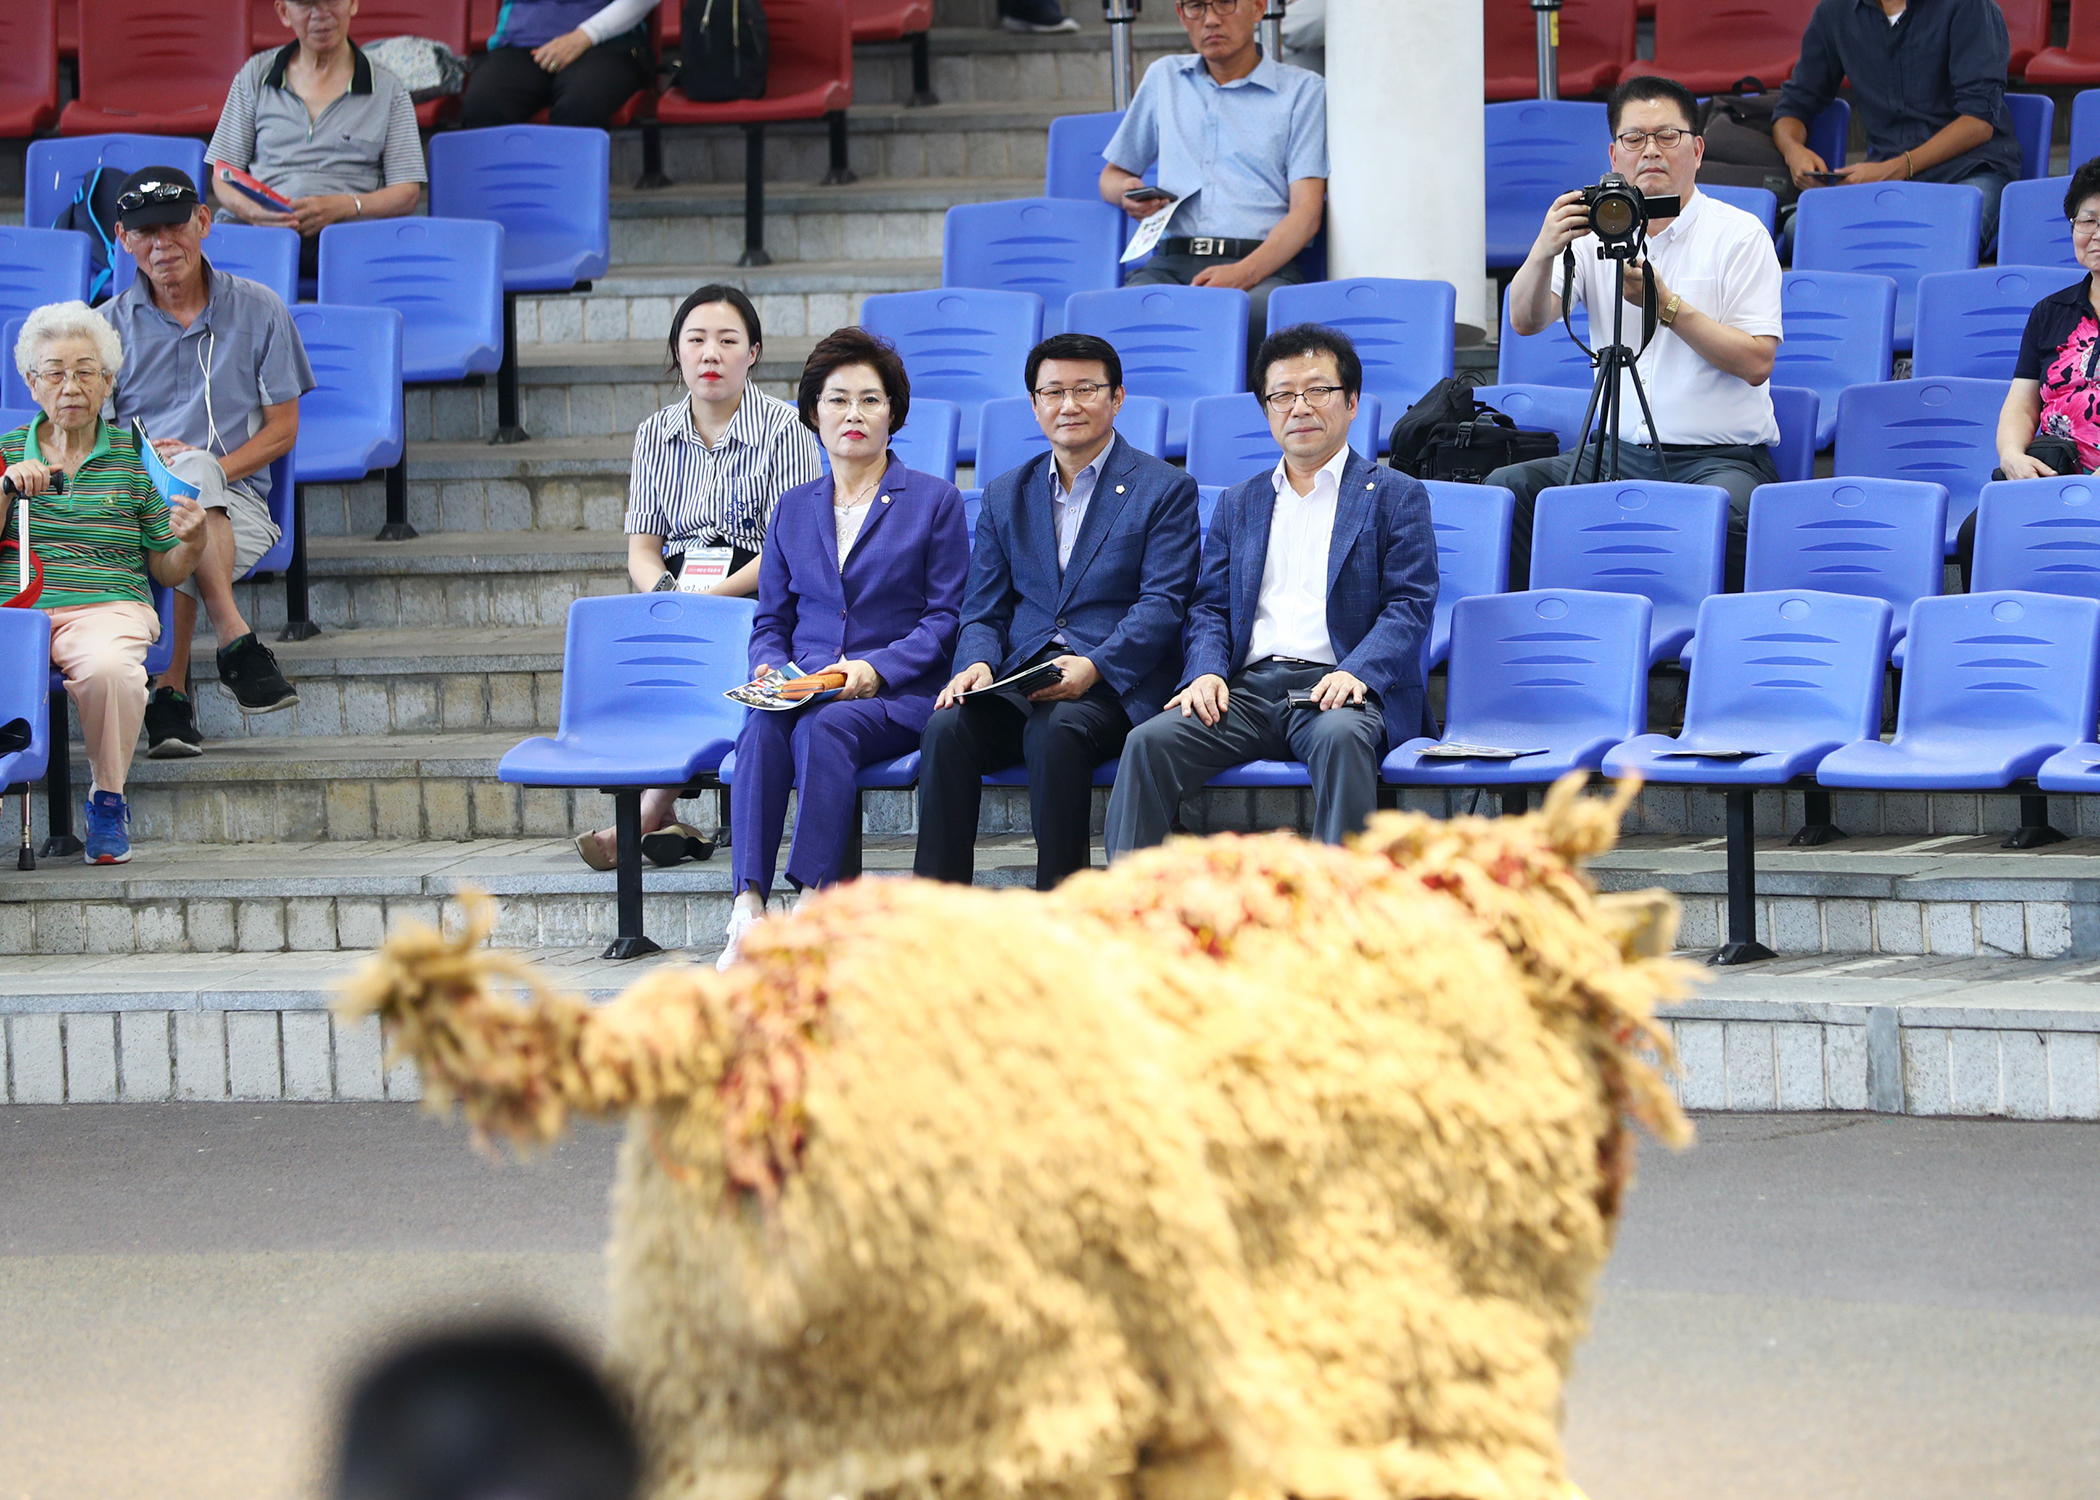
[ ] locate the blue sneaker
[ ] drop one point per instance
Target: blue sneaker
(107, 819)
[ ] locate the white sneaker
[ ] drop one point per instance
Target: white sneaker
(1039, 28)
(741, 921)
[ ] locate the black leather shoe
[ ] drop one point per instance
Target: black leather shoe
(675, 843)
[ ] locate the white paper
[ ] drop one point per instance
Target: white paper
(703, 568)
(1149, 232)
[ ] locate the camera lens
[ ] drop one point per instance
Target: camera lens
(1613, 216)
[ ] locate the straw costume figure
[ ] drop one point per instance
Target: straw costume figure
(1247, 1168)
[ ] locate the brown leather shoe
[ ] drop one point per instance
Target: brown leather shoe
(599, 852)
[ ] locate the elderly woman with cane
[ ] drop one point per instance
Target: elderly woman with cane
(98, 526)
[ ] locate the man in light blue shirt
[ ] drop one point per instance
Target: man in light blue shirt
(1241, 143)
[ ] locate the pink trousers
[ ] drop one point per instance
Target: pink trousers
(101, 649)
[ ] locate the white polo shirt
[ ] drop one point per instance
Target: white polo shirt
(1290, 611)
(1720, 260)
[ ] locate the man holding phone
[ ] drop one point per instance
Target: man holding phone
(1241, 144)
(1928, 82)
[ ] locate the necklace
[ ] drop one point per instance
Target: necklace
(862, 499)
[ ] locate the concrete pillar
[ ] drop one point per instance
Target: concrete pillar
(1404, 140)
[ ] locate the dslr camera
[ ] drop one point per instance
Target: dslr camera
(1619, 211)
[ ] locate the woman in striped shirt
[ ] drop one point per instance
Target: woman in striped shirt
(98, 526)
(708, 470)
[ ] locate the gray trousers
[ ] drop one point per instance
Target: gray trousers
(1169, 756)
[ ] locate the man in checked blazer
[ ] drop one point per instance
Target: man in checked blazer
(1084, 556)
(1319, 577)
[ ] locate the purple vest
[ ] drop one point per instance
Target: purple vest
(534, 23)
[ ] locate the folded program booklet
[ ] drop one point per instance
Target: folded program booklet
(254, 188)
(1476, 752)
(1693, 751)
(1024, 682)
(157, 470)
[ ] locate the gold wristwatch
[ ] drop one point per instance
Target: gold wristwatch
(1668, 315)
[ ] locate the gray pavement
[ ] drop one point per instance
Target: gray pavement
(1828, 1306)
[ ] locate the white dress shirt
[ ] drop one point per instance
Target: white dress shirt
(1290, 611)
(1720, 260)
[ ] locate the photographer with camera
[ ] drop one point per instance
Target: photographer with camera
(1711, 275)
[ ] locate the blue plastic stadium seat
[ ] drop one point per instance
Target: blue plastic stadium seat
(1790, 673)
(1560, 671)
(876, 776)
(547, 185)
(39, 266)
(55, 168)
(1176, 343)
(284, 497)
(1472, 524)
(2032, 229)
(12, 417)
(1548, 357)
(1902, 230)
(1996, 684)
(2085, 126)
(1008, 434)
(1207, 497)
(445, 278)
(1053, 247)
(1762, 203)
(350, 423)
(1839, 330)
(1970, 322)
(1263, 773)
(1877, 538)
(14, 390)
(1403, 330)
(2042, 535)
(1543, 408)
(25, 662)
(1940, 431)
(1072, 166)
(1230, 440)
(1666, 542)
(1797, 410)
(2033, 123)
(266, 253)
(1536, 150)
(960, 344)
(1830, 133)
(928, 438)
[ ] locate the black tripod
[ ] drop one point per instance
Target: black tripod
(1610, 360)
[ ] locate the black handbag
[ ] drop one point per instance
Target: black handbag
(725, 51)
(1449, 435)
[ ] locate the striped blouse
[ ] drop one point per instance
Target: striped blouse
(90, 539)
(690, 494)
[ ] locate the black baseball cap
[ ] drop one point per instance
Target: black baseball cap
(156, 195)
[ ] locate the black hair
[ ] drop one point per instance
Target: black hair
(713, 292)
(2085, 183)
(503, 1410)
(1311, 338)
(1076, 346)
(854, 346)
(1648, 88)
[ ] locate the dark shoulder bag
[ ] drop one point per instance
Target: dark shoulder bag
(1740, 151)
(725, 51)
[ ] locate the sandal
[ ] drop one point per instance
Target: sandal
(675, 842)
(592, 847)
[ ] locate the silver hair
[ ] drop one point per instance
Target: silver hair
(60, 320)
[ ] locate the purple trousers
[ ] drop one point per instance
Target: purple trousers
(816, 753)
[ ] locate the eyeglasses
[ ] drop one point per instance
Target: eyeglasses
(1085, 394)
(59, 379)
(1195, 10)
(1318, 397)
(154, 192)
(838, 406)
(2085, 224)
(1667, 138)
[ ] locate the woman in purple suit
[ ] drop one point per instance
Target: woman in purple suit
(862, 574)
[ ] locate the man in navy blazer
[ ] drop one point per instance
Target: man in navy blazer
(1085, 556)
(1318, 578)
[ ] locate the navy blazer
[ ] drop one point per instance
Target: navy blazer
(894, 605)
(1122, 601)
(1381, 586)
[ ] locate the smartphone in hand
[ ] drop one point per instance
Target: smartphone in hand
(1148, 195)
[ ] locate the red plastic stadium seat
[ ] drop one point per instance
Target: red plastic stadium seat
(890, 20)
(1707, 45)
(484, 15)
(28, 66)
(156, 69)
(811, 75)
(69, 28)
(2079, 60)
(440, 20)
(1596, 43)
(2027, 22)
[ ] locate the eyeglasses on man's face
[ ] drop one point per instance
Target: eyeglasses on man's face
(838, 406)
(1318, 397)
(1196, 10)
(1086, 393)
(1668, 138)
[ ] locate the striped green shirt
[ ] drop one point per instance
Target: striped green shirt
(92, 539)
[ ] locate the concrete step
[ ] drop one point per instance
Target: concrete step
(796, 299)
(981, 64)
(447, 581)
(872, 220)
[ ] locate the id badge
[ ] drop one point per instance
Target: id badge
(704, 568)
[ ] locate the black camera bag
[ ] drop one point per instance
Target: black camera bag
(1450, 435)
(726, 53)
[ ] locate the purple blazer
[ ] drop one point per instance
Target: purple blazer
(896, 605)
